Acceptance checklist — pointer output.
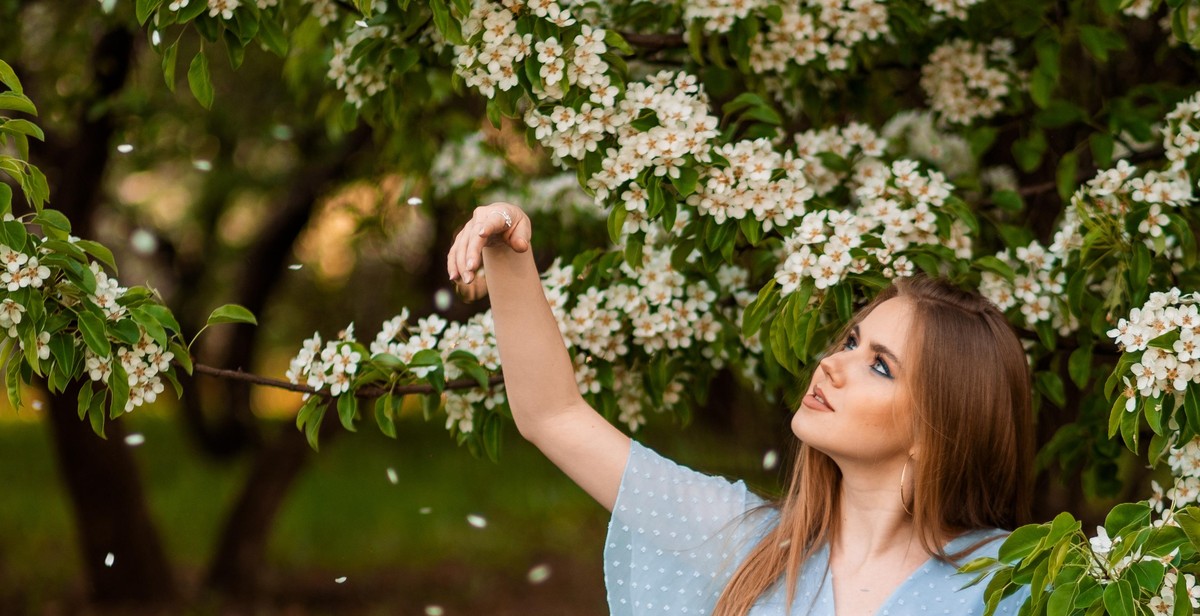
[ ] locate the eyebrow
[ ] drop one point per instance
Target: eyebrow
(879, 348)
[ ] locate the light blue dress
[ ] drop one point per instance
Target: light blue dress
(676, 537)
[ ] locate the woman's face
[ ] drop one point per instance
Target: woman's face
(857, 405)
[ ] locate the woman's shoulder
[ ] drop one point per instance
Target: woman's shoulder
(977, 543)
(941, 582)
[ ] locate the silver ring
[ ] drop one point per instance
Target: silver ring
(506, 217)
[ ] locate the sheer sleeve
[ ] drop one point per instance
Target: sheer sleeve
(676, 536)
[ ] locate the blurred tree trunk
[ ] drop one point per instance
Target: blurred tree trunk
(109, 508)
(242, 544)
(102, 481)
(237, 565)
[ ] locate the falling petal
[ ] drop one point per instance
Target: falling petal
(434, 610)
(125, 148)
(425, 510)
(441, 299)
(37, 405)
(202, 165)
(143, 242)
(341, 580)
(362, 23)
(109, 560)
(539, 574)
(415, 201)
(770, 460)
(155, 38)
(477, 521)
(135, 439)
(392, 477)
(295, 266)
(281, 132)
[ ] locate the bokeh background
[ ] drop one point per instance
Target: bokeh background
(265, 201)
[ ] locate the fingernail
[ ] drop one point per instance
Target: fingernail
(470, 263)
(481, 233)
(468, 277)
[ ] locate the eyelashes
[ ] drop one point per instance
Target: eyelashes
(879, 366)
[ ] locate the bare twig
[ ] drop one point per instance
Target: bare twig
(370, 391)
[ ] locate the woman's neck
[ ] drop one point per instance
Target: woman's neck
(872, 521)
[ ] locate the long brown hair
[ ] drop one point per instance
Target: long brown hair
(971, 423)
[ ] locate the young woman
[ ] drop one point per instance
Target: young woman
(914, 451)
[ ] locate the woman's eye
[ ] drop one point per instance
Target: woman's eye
(881, 367)
(850, 343)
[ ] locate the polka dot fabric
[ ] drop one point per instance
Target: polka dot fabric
(676, 536)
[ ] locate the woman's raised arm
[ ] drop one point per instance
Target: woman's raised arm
(538, 376)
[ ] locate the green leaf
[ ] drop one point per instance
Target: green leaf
(96, 415)
(232, 313)
(1021, 542)
(312, 429)
(169, 60)
(383, 415)
(200, 81)
(687, 180)
(1029, 150)
(13, 101)
(5, 201)
(99, 252)
(493, 432)
(9, 78)
(347, 406)
(150, 323)
(616, 221)
(118, 387)
(144, 8)
(22, 127)
(1079, 365)
(12, 381)
(1126, 515)
(1102, 149)
(53, 219)
(1189, 521)
(758, 310)
(84, 401)
(306, 411)
(182, 357)
(94, 334)
(1118, 598)
(1099, 41)
(272, 36)
(993, 264)
(1068, 167)
(1008, 200)
(446, 24)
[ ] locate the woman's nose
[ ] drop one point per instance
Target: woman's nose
(831, 365)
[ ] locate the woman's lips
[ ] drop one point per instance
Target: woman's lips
(816, 400)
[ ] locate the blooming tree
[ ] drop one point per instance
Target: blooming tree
(762, 168)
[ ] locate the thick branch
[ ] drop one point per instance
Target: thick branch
(370, 391)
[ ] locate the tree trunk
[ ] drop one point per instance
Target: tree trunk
(102, 481)
(233, 428)
(109, 510)
(236, 567)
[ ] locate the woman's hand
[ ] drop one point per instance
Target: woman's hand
(491, 225)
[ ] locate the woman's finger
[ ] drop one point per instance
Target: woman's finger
(452, 258)
(462, 250)
(487, 223)
(520, 235)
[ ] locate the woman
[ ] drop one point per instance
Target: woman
(914, 451)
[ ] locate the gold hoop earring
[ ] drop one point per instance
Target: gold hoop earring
(903, 469)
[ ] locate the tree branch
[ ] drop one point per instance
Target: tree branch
(370, 391)
(653, 42)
